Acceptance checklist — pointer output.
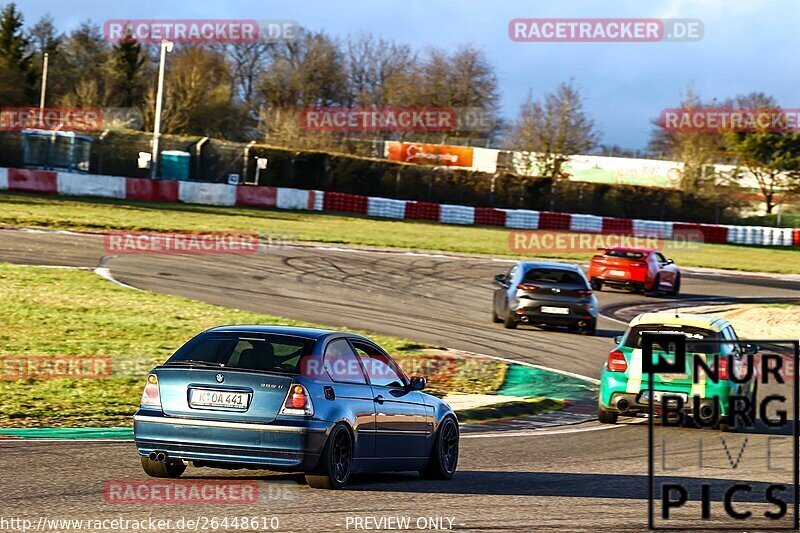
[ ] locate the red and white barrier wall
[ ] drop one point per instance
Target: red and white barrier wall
(219, 194)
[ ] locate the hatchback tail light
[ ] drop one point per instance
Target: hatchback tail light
(526, 287)
(298, 402)
(616, 362)
(151, 396)
(723, 371)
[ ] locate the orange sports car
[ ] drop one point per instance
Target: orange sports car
(639, 269)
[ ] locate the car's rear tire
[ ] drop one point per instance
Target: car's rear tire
(170, 469)
(597, 285)
(607, 417)
(444, 455)
(655, 288)
(727, 425)
(676, 286)
(509, 322)
(589, 329)
(496, 319)
(336, 463)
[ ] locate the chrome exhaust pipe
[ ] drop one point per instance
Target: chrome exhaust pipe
(161, 457)
(152, 456)
(623, 405)
(523, 318)
(706, 411)
(582, 323)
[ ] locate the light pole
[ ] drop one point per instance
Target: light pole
(44, 90)
(166, 46)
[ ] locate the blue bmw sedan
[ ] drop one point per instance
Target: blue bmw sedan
(327, 403)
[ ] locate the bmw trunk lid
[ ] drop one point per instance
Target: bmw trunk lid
(221, 394)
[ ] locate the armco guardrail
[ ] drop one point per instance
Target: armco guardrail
(68, 184)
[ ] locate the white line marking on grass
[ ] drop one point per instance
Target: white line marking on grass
(105, 273)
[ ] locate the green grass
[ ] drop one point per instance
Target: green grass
(512, 409)
(101, 214)
(59, 312)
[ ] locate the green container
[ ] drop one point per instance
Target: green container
(175, 165)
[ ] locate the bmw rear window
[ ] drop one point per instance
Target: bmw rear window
(694, 336)
(245, 351)
(557, 276)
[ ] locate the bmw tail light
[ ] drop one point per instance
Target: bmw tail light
(616, 362)
(526, 287)
(151, 396)
(298, 402)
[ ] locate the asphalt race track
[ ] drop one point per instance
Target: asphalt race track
(583, 477)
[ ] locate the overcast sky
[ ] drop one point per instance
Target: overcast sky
(746, 46)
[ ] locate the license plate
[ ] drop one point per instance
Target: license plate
(620, 273)
(658, 395)
(555, 310)
(215, 398)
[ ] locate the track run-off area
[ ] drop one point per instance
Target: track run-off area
(579, 477)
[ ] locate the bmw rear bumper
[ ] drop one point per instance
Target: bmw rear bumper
(284, 444)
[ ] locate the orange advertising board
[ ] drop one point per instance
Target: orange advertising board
(431, 154)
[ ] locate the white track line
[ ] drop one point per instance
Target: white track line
(532, 365)
(536, 432)
(544, 432)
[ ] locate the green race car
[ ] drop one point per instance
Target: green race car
(624, 385)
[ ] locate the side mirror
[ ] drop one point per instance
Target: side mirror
(418, 382)
(618, 339)
(500, 278)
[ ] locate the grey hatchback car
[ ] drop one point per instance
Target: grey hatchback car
(552, 294)
(325, 403)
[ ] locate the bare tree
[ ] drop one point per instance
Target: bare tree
(697, 150)
(552, 130)
(197, 95)
(379, 72)
(306, 72)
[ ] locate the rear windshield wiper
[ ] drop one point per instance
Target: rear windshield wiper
(193, 362)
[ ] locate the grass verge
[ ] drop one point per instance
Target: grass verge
(53, 312)
(17, 209)
(506, 410)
